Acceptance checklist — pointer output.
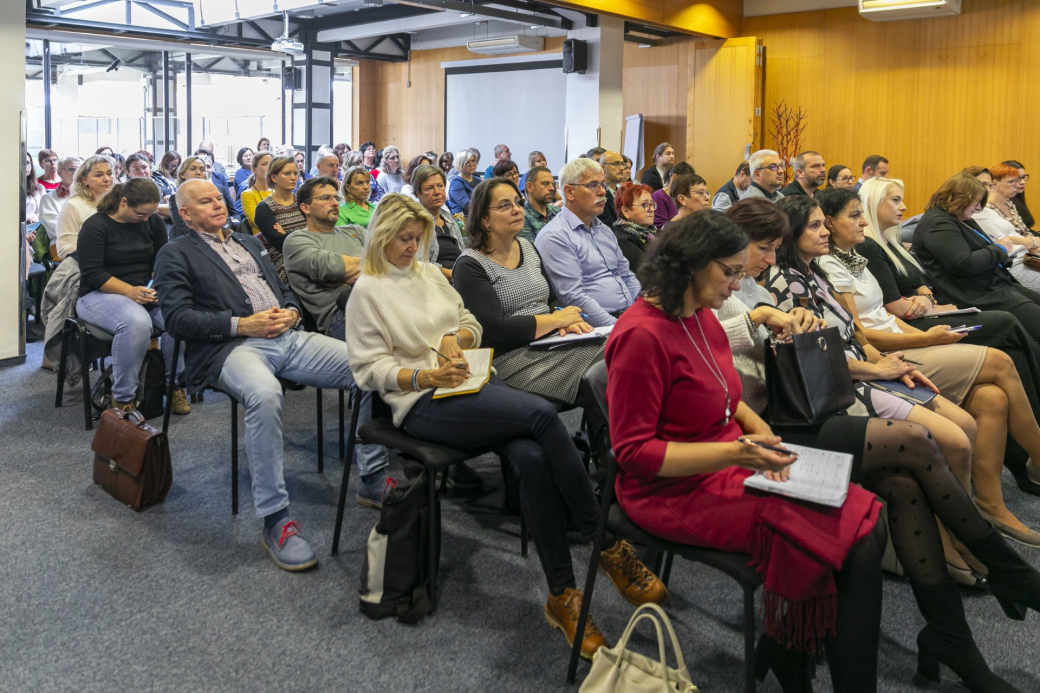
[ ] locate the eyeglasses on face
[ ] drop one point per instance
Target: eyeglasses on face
(773, 167)
(732, 274)
(507, 205)
(703, 194)
(846, 179)
(592, 187)
(647, 206)
(324, 198)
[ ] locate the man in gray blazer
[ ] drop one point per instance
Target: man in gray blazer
(220, 294)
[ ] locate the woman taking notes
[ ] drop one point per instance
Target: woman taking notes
(400, 310)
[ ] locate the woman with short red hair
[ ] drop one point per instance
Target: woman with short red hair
(634, 227)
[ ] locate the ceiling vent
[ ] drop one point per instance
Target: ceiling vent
(888, 10)
(506, 45)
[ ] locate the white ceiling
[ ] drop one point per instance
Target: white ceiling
(754, 8)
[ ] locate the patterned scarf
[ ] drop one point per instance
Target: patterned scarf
(642, 233)
(853, 261)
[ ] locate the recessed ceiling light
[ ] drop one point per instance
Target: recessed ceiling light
(645, 45)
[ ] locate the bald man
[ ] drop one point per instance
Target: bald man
(613, 164)
(223, 299)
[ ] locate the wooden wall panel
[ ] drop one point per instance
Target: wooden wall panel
(933, 95)
(654, 84)
(720, 18)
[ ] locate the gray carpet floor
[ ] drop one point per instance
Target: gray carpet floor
(181, 597)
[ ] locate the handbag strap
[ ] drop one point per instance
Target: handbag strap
(657, 615)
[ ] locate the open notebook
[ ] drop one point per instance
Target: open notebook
(479, 361)
(818, 476)
(555, 340)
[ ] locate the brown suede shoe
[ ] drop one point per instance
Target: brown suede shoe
(180, 404)
(632, 579)
(562, 612)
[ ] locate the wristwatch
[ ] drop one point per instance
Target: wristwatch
(299, 319)
(454, 334)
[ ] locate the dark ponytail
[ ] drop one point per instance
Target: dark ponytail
(137, 191)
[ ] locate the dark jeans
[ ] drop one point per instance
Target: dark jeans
(525, 430)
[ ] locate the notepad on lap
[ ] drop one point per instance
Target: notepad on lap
(960, 311)
(479, 361)
(817, 476)
(556, 340)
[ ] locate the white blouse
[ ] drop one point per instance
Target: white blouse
(866, 292)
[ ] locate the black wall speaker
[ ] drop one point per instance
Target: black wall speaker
(292, 79)
(575, 56)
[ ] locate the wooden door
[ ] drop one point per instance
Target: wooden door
(724, 106)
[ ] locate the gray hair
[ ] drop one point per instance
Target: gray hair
(758, 159)
(573, 171)
(799, 161)
(387, 151)
(353, 158)
(65, 161)
(464, 157)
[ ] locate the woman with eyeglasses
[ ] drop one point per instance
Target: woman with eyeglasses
(690, 194)
(840, 176)
(634, 227)
(997, 221)
(448, 241)
(388, 176)
(116, 250)
(1019, 200)
(1006, 184)
(192, 168)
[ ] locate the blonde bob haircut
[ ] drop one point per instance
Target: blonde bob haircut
(79, 180)
(872, 193)
(391, 214)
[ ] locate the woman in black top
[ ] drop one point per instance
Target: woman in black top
(448, 242)
(966, 267)
(634, 227)
(116, 251)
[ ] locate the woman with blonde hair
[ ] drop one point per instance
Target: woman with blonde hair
(356, 188)
(403, 308)
(389, 176)
(257, 189)
(94, 178)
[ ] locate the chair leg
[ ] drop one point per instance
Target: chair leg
(85, 374)
(658, 562)
(590, 577)
(432, 553)
(62, 361)
(749, 640)
(234, 456)
(355, 413)
(523, 534)
(171, 386)
(667, 567)
(321, 434)
(342, 441)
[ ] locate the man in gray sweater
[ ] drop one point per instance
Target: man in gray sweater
(322, 263)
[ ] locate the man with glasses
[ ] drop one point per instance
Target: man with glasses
(874, 166)
(502, 153)
(52, 202)
(540, 191)
(612, 164)
(729, 193)
(810, 172)
(322, 262)
(580, 253)
(766, 176)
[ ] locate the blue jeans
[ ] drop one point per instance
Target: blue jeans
(250, 374)
(130, 324)
(526, 431)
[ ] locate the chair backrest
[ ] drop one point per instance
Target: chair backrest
(596, 378)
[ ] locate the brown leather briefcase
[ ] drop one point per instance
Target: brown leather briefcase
(131, 459)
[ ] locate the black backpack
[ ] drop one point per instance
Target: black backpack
(394, 575)
(150, 400)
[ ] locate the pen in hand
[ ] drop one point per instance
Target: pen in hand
(782, 451)
(457, 365)
(583, 316)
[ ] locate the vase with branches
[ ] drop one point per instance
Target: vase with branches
(788, 126)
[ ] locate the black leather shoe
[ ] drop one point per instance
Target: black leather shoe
(463, 478)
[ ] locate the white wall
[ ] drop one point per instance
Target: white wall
(594, 113)
(12, 99)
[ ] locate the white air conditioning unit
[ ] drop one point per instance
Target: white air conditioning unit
(506, 44)
(887, 10)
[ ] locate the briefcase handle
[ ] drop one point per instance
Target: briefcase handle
(135, 417)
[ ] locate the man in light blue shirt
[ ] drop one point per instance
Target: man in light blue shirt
(581, 254)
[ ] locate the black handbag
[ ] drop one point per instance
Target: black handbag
(807, 378)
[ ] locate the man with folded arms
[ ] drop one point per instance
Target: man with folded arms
(220, 294)
(580, 253)
(323, 261)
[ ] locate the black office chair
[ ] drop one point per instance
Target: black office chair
(172, 385)
(614, 519)
(434, 458)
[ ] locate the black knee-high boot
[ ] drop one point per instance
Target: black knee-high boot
(947, 639)
(1014, 583)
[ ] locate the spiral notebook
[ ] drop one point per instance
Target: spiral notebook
(817, 476)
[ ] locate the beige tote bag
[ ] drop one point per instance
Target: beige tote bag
(618, 669)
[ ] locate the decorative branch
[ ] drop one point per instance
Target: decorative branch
(788, 126)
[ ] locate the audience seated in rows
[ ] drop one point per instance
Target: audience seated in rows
(580, 254)
(398, 308)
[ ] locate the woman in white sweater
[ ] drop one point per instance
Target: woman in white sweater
(93, 179)
(400, 310)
